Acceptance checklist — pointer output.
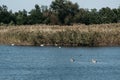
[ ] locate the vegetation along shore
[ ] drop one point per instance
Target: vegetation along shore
(57, 24)
(55, 35)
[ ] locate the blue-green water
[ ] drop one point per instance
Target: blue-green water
(53, 63)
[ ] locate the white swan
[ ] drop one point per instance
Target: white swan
(41, 45)
(59, 47)
(72, 60)
(12, 44)
(94, 61)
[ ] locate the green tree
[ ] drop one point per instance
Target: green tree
(94, 17)
(116, 15)
(117, 12)
(107, 15)
(82, 16)
(35, 15)
(6, 16)
(21, 17)
(65, 10)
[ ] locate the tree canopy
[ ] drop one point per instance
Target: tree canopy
(60, 12)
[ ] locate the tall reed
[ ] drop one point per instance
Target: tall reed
(76, 35)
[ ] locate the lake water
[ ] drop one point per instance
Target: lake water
(53, 63)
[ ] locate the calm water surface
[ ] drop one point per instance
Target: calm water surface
(53, 63)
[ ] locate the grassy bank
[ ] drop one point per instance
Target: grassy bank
(76, 35)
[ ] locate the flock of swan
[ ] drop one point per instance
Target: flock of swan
(71, 59)
(92, 60)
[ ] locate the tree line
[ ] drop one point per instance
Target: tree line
(60, 12)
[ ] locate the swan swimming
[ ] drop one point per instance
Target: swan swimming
(41, 45)
(94, 61)
(59, 47)
(72, 60)
(12, 44)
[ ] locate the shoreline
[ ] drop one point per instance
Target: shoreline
(57, 45)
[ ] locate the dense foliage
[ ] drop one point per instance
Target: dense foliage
(60, 12)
